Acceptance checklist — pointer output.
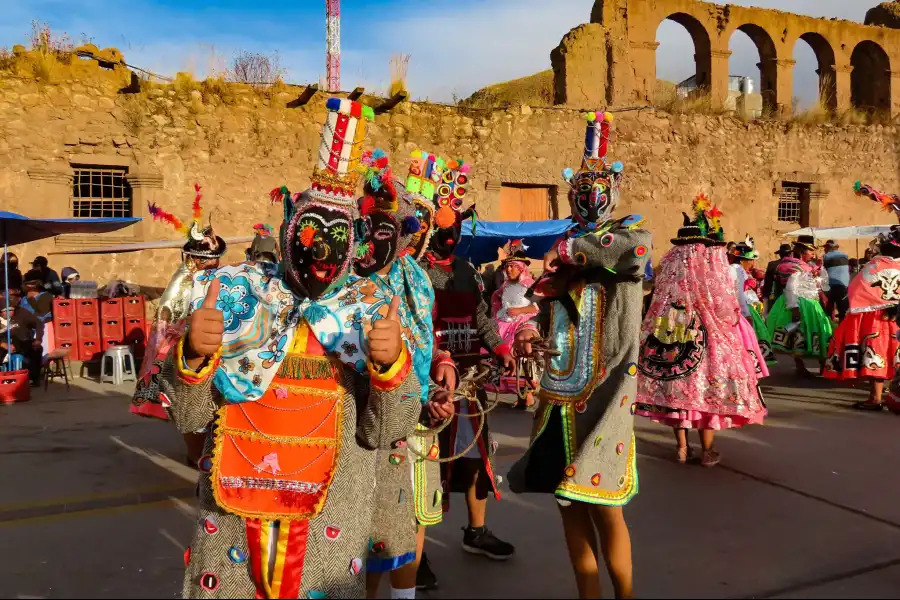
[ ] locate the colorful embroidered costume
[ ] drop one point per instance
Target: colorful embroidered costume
(582, 446)
(803, 285)
(462, 324)
(202, 250)
(751, 306)
(511, 309)
(699, 357)
(286, 493)
(865, 343)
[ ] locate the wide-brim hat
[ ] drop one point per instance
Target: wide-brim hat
(783, 250)
(692, 234)
(806, 241)
(745, 252)
(518, 257)
(189, 250)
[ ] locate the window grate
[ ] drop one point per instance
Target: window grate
(101, 193)
(789, 204)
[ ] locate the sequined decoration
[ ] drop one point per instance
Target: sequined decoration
(236, 555)
(570, 471)
(595, 480)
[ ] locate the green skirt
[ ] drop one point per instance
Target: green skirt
(762, 336)
(810, 339)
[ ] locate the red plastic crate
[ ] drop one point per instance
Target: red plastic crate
(134, 307)
(88, 330)
(63, 309)
(14, 387)
(112, 329)
(109, 343)
(111, 309)
(86, 309)
(135, 331)
(65, 331)
(88, 350)
(72, 346)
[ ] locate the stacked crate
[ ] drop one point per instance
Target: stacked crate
(112, 320)
(65, 328)
(87, 317)
(135, 324)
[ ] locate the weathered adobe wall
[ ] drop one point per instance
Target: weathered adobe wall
(241, 149)
(857, 63)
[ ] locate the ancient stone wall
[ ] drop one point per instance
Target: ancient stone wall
(239, 143)
(857, 64)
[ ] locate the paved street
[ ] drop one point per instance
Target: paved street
(97, 503)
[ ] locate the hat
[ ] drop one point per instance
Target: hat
(705, 228)
(384, 193)
(263, 243)
(426, 171)
(513, 251)
(68, 272)
(201, 242)
(40, 261)
(594, 189)
(746, 250)
(450, 194)
(807, 242)
(783, 250)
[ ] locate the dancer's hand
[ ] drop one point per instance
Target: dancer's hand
(523, 342)
(205, 329)
(445, 376)
(384, 338)
(440, 407)
(550, 260)
(508, 362)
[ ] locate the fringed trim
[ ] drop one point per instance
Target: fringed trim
(857, 311)
(298, 366)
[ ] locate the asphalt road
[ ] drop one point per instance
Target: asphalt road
(96, 503)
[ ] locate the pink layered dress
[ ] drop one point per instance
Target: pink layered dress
(698, 365)
(511, 294)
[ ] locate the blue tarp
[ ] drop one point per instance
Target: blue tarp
(19, 229)
(489, 236)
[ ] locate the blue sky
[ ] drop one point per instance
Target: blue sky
(456, 47)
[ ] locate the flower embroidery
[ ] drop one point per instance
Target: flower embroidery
(355, 320)
(245, 365)
(315, 313)
(274, 354)
(349, 348)
(236, 301)
(206, 275)
(257, 380)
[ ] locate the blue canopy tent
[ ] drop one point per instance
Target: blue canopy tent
(489, 236)
(18, 229)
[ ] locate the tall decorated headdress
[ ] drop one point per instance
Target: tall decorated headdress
(319, 224)
(426, 172)
(704, 228)
(202, 242)
(387, 212)
(449, 214)
(594, 189)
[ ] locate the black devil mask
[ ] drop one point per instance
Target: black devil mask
(386, 214)
(318, 244)
(594, 189)
(449, 216)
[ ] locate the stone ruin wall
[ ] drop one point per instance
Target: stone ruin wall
(612, 59)
(239, 144)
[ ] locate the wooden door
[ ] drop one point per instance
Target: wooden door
(524, 203)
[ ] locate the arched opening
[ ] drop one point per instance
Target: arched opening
(815, 85)
(676, 79)
(753, 56)
(870, 82)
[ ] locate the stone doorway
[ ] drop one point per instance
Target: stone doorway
(520, 202)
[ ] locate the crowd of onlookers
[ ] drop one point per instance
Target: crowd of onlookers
(25, 308)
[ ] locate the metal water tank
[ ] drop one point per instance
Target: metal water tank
(746, 86)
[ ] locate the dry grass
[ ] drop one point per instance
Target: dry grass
(7, 59)
(217, 88)
(49, 51)
(135, 109)
(698, 103)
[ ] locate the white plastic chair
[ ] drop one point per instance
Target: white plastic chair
(117, 365)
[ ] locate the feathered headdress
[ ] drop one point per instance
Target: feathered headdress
(451, 193)
(747, 249)
(705, 227)
(379, 187)
(890, 202)
(201, 241)
(263, 229)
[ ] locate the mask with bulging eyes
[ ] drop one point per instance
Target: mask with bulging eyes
(317, 254)
(593, 197)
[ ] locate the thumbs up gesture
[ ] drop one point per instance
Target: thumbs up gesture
(384, 338)
(205, 329)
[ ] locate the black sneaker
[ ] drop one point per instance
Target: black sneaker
(482, 541)
(425, 577)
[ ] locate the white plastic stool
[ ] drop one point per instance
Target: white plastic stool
(117, 365)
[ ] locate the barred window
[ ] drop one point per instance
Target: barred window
(101, 192)
(789, 204)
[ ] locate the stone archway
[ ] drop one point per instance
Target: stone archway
(702, 49)
(870, 81)
(768, 65)
(825, 68)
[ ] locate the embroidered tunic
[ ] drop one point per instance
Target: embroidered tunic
(583, 439)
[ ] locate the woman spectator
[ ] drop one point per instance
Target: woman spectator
(15, 275)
